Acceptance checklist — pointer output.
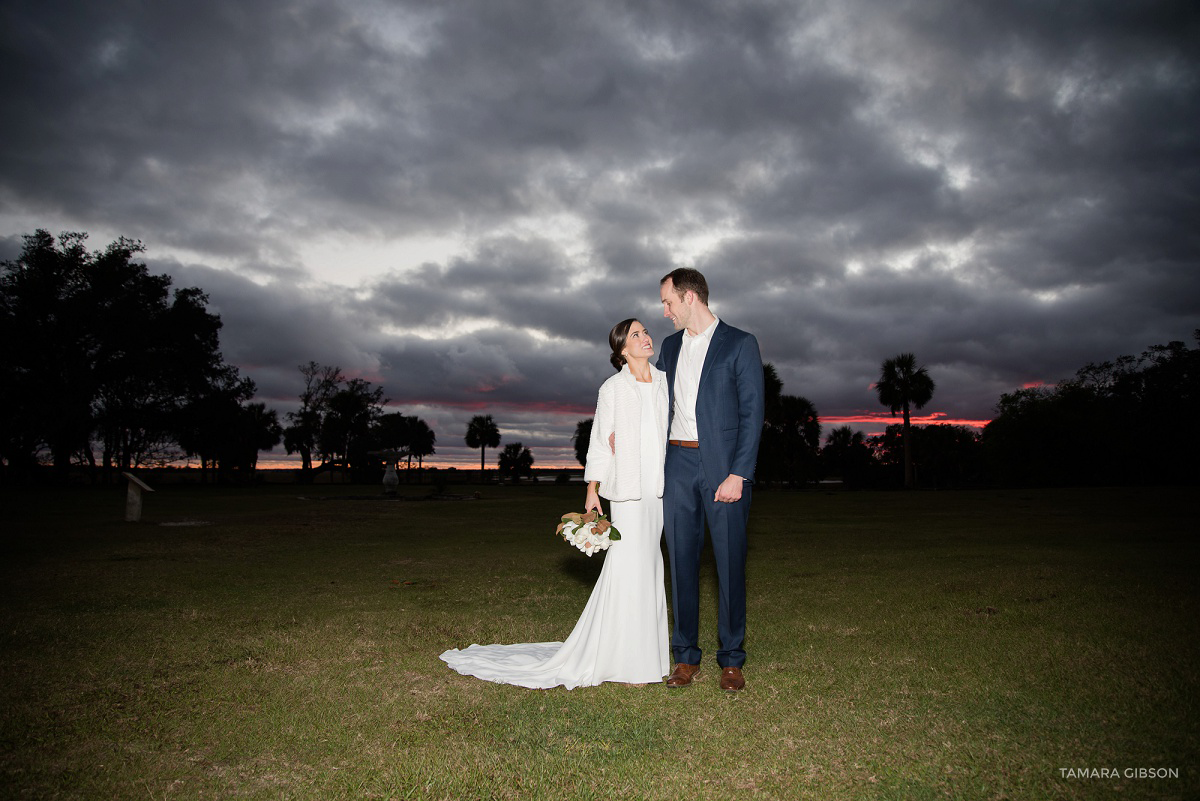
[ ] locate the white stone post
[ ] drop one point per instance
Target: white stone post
(133, 498)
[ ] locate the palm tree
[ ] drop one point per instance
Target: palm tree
(791, 433)
(261, 430)
(393, 433)
(422, 441)
(581, 439)
(482, 433)
(772, 392)
(901, 386)
(797, 430)
(847, 454)
(516, 460)
(405, 437)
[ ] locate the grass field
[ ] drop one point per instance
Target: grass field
(282, 643)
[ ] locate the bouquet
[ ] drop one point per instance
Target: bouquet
(589, 532)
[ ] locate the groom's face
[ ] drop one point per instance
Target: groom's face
(674, 309)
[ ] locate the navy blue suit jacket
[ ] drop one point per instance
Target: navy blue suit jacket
(729, 404)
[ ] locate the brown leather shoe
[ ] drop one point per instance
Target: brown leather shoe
(732, 680)
(683, 675)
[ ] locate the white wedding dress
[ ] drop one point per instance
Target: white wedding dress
(622, 634)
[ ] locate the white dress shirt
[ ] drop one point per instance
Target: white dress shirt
(687, 381)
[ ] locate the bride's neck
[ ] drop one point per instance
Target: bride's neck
(640, 369)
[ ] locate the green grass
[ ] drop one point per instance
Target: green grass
(901, 646)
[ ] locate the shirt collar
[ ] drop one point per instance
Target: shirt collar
(705, 334)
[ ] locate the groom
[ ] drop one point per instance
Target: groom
(715, 376)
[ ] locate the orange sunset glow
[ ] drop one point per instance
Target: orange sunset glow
(877, 421)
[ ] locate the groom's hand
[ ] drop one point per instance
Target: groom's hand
(730, 490)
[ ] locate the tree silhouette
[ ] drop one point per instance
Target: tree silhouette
(847, 454)
(303, 433)
(211, 425)
(791, 433)
(791, 439)
(1070, 433)
(407, 436)
(259, 431)
(46, 359)
(949, 455)
(421, 441)
(392, 433)
(772, 392)
(795, 435)
(515, 460)
(346, 429)
(229, 437)
(581, 439)
(903, 386)
(97, 350)
(482, 433)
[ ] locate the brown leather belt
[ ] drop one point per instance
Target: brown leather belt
(684, 443)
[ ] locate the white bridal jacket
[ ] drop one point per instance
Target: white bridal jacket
(619, 409)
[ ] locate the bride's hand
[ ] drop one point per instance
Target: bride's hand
(592, 501)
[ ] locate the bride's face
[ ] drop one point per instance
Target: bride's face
(638, 344)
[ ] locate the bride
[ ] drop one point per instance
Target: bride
(622, 634)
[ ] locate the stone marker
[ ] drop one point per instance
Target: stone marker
(390, 480)
(133, 498)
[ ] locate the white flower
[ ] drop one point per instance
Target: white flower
(588, 537)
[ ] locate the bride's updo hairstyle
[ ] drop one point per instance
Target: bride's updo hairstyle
(616, 341)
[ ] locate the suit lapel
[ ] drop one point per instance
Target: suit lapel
(671, 347)
(714, 349)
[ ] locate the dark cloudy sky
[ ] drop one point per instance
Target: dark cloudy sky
(456, 200)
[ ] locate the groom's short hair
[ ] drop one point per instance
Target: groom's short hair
(685, 279)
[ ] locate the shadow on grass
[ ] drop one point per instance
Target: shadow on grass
(580, 568)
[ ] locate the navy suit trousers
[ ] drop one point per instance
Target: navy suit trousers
(687, 505)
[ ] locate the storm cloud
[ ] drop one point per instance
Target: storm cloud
(457, 200)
